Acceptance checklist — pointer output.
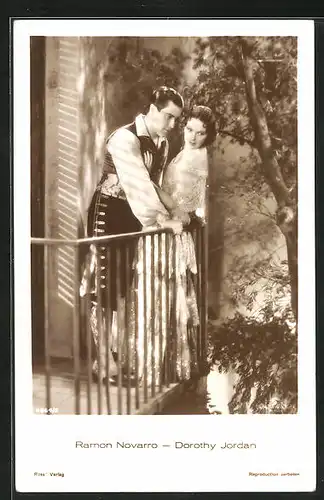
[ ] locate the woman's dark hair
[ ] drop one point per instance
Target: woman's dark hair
(205, 115)
(162, 95)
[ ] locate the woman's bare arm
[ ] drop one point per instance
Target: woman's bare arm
(172, 206)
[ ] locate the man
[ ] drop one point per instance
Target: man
(126, 199)
(135, 157)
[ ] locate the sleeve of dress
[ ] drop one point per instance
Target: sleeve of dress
(141, 195)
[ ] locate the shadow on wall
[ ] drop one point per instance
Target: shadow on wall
(102, 110)
(37, 128)
(94, 118)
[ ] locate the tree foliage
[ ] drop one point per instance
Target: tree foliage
(263, 352)
(134, 70)
(251, 85)
(221, 84)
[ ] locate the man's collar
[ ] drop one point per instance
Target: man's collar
(140, 126)
(141, 129)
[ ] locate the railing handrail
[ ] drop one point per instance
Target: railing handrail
(98, 239)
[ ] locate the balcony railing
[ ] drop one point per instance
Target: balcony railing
(132, 302)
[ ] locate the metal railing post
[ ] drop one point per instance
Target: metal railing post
(174, 309)
(145, 319)
(119, 336)
(162, 320)
(127, 336)
(76, 331)
(47, 253)
(88, 340)
(153, 298)
(204, 315)
(108, 318)
(136, 353)
(167, 310)
(152, 347)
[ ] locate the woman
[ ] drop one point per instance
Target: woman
(185, 182)
(183, 194)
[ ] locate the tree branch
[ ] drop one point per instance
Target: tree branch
(262, 137)
(239, 138)
(265, 214)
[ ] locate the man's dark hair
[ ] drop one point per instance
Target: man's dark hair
(162, 95)
(205, 115)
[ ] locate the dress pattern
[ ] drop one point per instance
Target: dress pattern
(185, 181)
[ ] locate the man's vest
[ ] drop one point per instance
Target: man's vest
(154, 159)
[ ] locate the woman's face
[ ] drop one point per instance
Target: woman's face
(194, 133)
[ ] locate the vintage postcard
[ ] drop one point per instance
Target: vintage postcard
(164, 255)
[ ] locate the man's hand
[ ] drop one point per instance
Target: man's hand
(175, 225)
(178, 214)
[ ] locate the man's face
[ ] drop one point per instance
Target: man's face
(165, 119)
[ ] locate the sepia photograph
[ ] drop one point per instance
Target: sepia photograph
(164, 254)
(164, 224)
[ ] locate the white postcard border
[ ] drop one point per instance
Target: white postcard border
(285, 443)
